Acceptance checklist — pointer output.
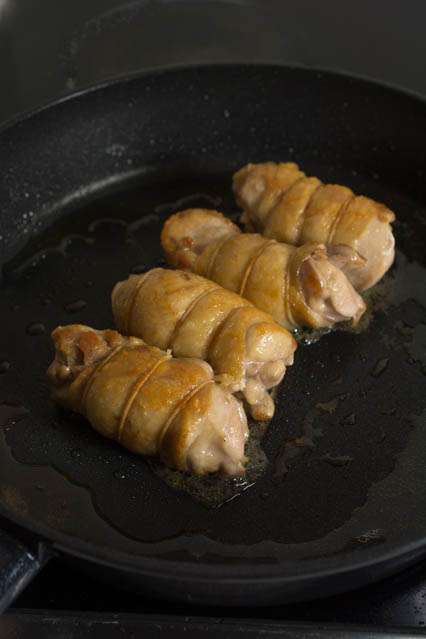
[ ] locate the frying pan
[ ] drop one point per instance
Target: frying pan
(86, 185)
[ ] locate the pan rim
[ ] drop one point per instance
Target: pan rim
(176, 68)
(284, 570)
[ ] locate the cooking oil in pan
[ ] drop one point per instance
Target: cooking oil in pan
(10, 413)
(75, 307)
(46, 494)
(126, 239)
(36, 328)
(292, 450)
(74, 267)
(213, 490)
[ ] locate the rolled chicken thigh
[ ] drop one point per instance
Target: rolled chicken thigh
(297, 286)
(148, 401)
(195, 317)
(281, 202)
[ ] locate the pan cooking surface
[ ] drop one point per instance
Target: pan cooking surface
(359, 395)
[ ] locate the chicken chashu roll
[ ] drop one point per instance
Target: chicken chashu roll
(194, 317)
(297, 286)
(148, 401)
(280, 202)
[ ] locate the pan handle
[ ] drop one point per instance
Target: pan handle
(18, 566)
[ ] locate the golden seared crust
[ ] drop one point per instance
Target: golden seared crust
(169, 235)
(132, 393)
(321, 210)
(266, 285)
(204, 263)
(305, 210)
(263, 271)
(112, 338)
(293, 202)
(228, 348)
(185, 234)
(163, 298)
(229, 264)
(92, 347)
(204, 322)
(179, 432)
(158, 398)
(255, 267)
(81, 345)
(270, 274)
(78, 346)
(195, 317)
(263, 189)
(357, 217)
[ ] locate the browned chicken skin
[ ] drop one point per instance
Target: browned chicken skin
(280, 202)
(148, 401)
(297, 286)
(194, 317)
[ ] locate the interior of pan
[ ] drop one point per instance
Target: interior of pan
(86, 185)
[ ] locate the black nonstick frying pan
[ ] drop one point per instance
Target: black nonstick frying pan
(85, 187)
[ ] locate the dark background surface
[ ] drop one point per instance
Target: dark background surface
(49, 49)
